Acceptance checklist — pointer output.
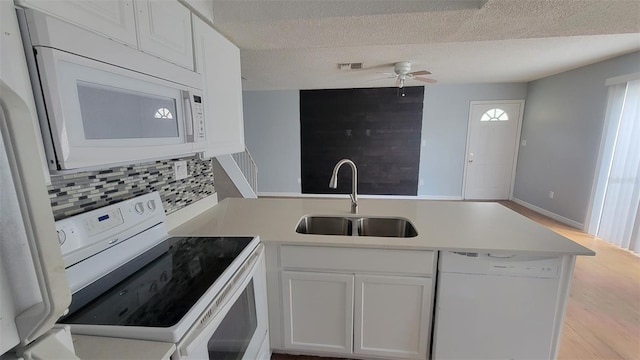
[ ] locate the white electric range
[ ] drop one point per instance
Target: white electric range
(131, 279)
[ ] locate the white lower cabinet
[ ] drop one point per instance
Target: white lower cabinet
(392, 316)
(318, 311)
(347, 301)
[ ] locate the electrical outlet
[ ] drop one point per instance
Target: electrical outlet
(551, 194)
(180, 169)
(523, 142)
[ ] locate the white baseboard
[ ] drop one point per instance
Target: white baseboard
(362, 196)
(439, 197)
(187, 213)
(550, 214)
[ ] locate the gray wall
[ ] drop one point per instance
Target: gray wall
(272, 135)
(563, 121)
(444, 132)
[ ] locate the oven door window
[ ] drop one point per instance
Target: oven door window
(231, 338)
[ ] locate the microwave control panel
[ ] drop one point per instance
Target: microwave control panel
(198, 118)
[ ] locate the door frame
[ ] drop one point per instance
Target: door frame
(517, 148)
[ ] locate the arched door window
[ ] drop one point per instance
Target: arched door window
(495, 115)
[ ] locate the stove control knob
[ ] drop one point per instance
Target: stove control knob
(62, 236)
(151, 204)
(139, 208)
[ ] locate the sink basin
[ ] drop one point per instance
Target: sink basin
(356, 226)
(325, 225)
(385, 227)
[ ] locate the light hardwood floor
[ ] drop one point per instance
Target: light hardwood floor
(603, 314)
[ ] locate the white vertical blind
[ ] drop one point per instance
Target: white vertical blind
(619, 220)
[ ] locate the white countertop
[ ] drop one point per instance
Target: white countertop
(441, 225)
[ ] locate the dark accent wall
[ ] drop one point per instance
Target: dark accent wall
(377, 129)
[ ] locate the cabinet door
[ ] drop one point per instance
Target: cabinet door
(392, 316)
(113, 19)
(164, 30)
(318, 311)
(218, 60)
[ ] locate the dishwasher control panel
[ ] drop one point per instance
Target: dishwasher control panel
(548, 268)
(500, 264)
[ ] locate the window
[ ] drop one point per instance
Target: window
(495, 115)
(618, 189)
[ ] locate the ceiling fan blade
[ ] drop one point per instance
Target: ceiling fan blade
(378, 79)
(421, 72)
(427, 80)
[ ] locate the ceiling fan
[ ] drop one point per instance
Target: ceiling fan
(402, 72)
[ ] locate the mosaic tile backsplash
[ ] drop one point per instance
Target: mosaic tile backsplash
(72, 194)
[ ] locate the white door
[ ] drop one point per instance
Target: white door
(318, 311)
(392, 316)
(494, 131)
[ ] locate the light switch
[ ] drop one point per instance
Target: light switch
(180, 169)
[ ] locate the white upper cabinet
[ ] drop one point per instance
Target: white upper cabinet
(114, 19)
(164, 30)
(218, 60)
(159, 28)
(204, 8)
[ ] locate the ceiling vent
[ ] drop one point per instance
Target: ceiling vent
(350, 66)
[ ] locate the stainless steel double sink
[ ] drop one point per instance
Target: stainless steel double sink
(356, 226)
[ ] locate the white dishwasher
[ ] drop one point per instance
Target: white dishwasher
(496, 306)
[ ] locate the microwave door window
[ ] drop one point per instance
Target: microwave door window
(114, 113)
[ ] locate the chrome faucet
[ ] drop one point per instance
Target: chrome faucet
(333, 183)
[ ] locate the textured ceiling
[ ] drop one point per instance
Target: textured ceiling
(296, 44)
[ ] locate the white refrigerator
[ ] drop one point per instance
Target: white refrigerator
(33, 286)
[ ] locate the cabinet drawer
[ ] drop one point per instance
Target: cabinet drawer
(358, 259)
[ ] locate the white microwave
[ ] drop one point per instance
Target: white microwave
(94, 113)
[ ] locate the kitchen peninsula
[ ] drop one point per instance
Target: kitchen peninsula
(374, 297)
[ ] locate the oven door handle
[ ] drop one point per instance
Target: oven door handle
(207, 323)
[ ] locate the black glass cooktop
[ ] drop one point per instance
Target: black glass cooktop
(157, 288)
